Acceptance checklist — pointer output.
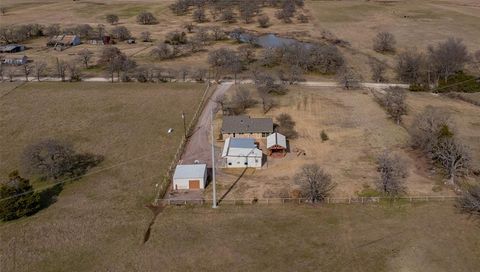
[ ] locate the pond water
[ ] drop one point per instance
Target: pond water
(271, 41)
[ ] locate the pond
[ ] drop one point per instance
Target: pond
(271, 41)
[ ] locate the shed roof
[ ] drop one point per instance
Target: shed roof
(245, 124)
(240, 147)
(188, 171)
(65, 39)
(10, 47)
(276, 139)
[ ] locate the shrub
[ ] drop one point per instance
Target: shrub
(17, 198)
(146, 18)
(459, 82)
(324, 136)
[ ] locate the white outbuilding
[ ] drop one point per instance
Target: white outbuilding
(241, 153)
(277, 145)
(190, 177)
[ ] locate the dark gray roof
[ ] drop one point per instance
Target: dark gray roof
(245, 124)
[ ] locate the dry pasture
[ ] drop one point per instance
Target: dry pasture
(104, 212)
(359, 130)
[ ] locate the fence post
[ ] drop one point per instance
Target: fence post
(283, 200)
(328, 200)
(349, 200)
(267, 201)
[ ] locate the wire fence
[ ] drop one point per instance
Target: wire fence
(165, 183)
(328, 200)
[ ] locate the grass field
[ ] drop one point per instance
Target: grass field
(420, 237)
(103, 211)
(358, 130)
(414, 24)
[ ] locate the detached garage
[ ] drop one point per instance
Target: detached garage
(190, 177)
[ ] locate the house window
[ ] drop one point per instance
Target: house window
(229, 163)
(256, 160)
(246, 163)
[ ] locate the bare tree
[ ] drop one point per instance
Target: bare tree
(384, 42)
(428, 127)
(222, 60)
(454, 156)
(48, 158)
(348, 79)
(448, 57)
(183, 73)
(218, 33)
(302, 18)
(220, 100)
(146, 36)
(200, 74)
(199, 15)
(61, 69)
(228, 16)
(85, 56)
(112, 19)
(411, 67)
(247, 10)
(242, 100)
(3, 10)
(469, 202)
(10, 71)
(394, 102)
(146, 18)
(112, 58)
(27, 69)
(74, 72)
(163, 51)
(315, 183)
(39, 69)
(286, 125)
(121, 33)
(180, 7)
(267, 102)
(263, 21)
(378, 69)
(392, 171)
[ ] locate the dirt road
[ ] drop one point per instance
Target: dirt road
(198, 146)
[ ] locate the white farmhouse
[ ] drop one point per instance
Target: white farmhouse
(190, 176)
(241, 152)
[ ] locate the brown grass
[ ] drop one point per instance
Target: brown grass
(426, 237)
(359, 130)
(96, 214)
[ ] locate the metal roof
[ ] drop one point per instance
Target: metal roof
(241, 147)
(245, 124)
(276, 139)
(188, 171)
(10, 47)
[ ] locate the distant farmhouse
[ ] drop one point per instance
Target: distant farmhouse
(246, 127)
(12, 48)
(101, 41)
(241, 153)
(15, 60)
(61, 42)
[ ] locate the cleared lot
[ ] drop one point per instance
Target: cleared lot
(359, 130)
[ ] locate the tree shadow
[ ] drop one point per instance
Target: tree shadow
(49, 195)
(233, 185)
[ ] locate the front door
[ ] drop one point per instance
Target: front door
(194, 184)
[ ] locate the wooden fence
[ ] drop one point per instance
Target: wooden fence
(162, 188)
(329, 200)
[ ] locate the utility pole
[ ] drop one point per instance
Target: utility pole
(214, 192)
(184, 125)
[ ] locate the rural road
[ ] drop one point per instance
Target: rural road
(306, 83)
(198, 145)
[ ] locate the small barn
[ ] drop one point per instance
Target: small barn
(277, 145)
(241, 153)
(190, 177)
(12, 48)
(15, 60)
(64, 41)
